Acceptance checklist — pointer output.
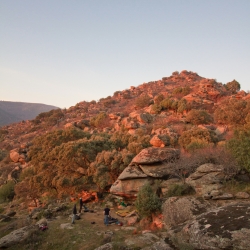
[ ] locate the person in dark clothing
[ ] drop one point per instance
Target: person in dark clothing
(74, 214)
(106, 215)
(81, 205)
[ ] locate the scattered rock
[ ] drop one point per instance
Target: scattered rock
(66, 226)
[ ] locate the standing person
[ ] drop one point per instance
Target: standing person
(74, 214)
(81, 204)
(106, 215)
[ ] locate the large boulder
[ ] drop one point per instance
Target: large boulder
(131, 173)
(16, 236)
(128, 188)
(156, 170)
(177, 210)
(207, 178)
(14, 155)
(225, 227)
(160, 141)
(153, 155)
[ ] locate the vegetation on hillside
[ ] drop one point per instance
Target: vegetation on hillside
(91, 143)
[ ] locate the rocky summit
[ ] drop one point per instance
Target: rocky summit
(170, 158)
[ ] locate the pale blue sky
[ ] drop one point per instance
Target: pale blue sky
(64, 52)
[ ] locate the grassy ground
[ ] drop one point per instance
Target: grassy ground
(85, 235)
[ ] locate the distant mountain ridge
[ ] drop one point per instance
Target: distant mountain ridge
(11, 112)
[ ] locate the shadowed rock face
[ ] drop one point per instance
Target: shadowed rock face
(225, 227)
(128, 188)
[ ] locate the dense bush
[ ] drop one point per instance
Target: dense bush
(197, 117)
(158, 99)
(166, 103)
(108, 166)
(239, 146)
(183, 106)
(101, 120)
(143, 101)
(147, 201)
(180, 190)
(232, 112)
(7, 191)
(50, 118)
(233, 86)
(181, 91)
(197, 138)
(2, 154)
(156, 108)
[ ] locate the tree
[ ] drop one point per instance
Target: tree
(233, 86)
(147, 201)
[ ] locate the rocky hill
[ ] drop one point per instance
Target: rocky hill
(11, 112)
(175, 134)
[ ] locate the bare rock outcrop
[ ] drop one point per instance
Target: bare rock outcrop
(127, 188)
(207, 178)
(149, 163)
(14, 155)
(16, 236)
(226, 227)
(177, 210)
(156, 170)
(131, 173)
(154, 155)
(160, 141)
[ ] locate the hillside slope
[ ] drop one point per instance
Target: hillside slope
(11, 112)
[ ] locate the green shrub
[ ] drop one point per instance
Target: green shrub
(182, 106)
(197, 136)
(232, 112)
(233, 86)
(147, 201)
(2, 154)
(50, 117)
(233, 186)
(156, 108)
(142, 101)
(181, 91)
(158, 99)
(197, 117)
(1, 210)
(100, 121)
(166, 103)
(179, 190)
(239, 146)
(7, 191)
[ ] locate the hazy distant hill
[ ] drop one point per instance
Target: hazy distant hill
(11, 112)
